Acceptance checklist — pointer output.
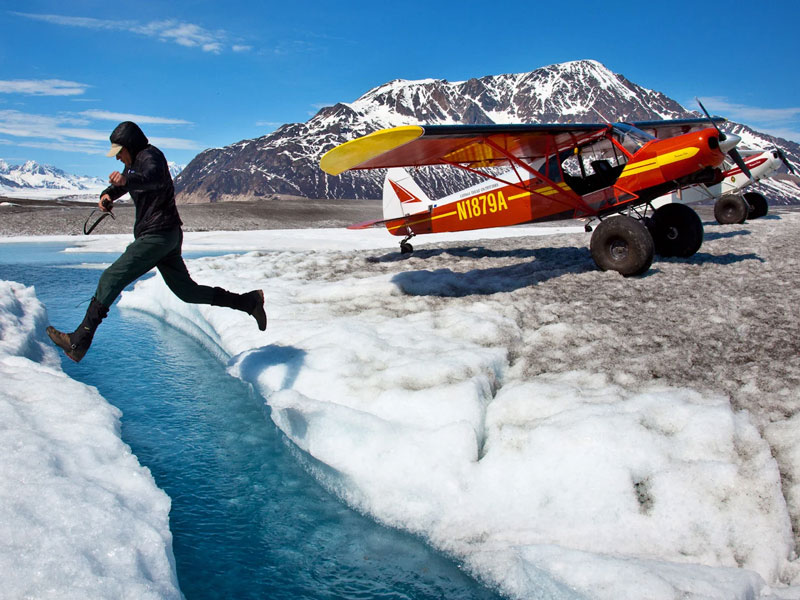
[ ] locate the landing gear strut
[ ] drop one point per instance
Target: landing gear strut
(405, 247)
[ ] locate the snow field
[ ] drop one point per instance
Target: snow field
(79, 517)
(470, 395)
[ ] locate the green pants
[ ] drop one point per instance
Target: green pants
(161, 250)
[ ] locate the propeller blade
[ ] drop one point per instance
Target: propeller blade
(721, 133)
(728, 143)
(737, 158)
(782, 156)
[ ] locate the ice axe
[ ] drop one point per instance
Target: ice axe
(107, 213)
(727, 142)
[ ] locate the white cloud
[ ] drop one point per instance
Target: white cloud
(19, 124)
(780, 122)
(69, 133)
(287, 47)
(105, 115)
(87, 22)
(184, 34)
(52, 133)
(42, 87)
(71, 146)
(743, 112)
(175, 143)
(188, 35)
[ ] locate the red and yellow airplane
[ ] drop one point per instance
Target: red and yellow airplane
(558, 171)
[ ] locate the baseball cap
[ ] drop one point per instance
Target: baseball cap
(115, 148)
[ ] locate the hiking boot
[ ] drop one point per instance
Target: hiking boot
(257, 308)
(76, 344)
(252, 303)
(62, 340)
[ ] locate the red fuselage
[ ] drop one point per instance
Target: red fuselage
(659, 166)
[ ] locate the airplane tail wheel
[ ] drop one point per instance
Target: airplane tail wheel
(406, 248)
(676, 230)
(622, 244)
(730, 209)
(758, 205)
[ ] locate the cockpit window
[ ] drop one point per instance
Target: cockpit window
(631, 138)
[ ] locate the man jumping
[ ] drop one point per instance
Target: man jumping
(157, 242)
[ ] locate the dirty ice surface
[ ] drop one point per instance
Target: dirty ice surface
(79, 516)
(561, 432)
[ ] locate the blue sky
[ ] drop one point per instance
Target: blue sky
(197, 74)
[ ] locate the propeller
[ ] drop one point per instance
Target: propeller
(730, 146)
(782, 156)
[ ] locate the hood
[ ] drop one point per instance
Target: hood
(129, 135)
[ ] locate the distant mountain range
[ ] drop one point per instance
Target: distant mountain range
(43, 181)
(286, 162)
(32, 180)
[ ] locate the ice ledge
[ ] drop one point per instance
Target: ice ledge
(79, 516)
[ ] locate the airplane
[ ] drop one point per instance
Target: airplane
(730, 205)
(550, 179)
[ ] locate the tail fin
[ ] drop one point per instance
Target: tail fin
(401, 195)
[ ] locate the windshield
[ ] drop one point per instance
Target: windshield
(631, 138)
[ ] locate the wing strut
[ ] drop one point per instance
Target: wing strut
(575, 201)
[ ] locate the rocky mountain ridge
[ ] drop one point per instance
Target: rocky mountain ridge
(286, 162)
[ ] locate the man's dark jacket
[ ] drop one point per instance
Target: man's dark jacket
(147, 181)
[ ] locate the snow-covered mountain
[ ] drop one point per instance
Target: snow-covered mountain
(287, 160)
(175, 169)
(44, 181)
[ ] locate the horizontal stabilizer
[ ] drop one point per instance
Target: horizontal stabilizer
(367, 224)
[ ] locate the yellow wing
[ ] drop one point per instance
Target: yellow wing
(361, 150)
(475, 146)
